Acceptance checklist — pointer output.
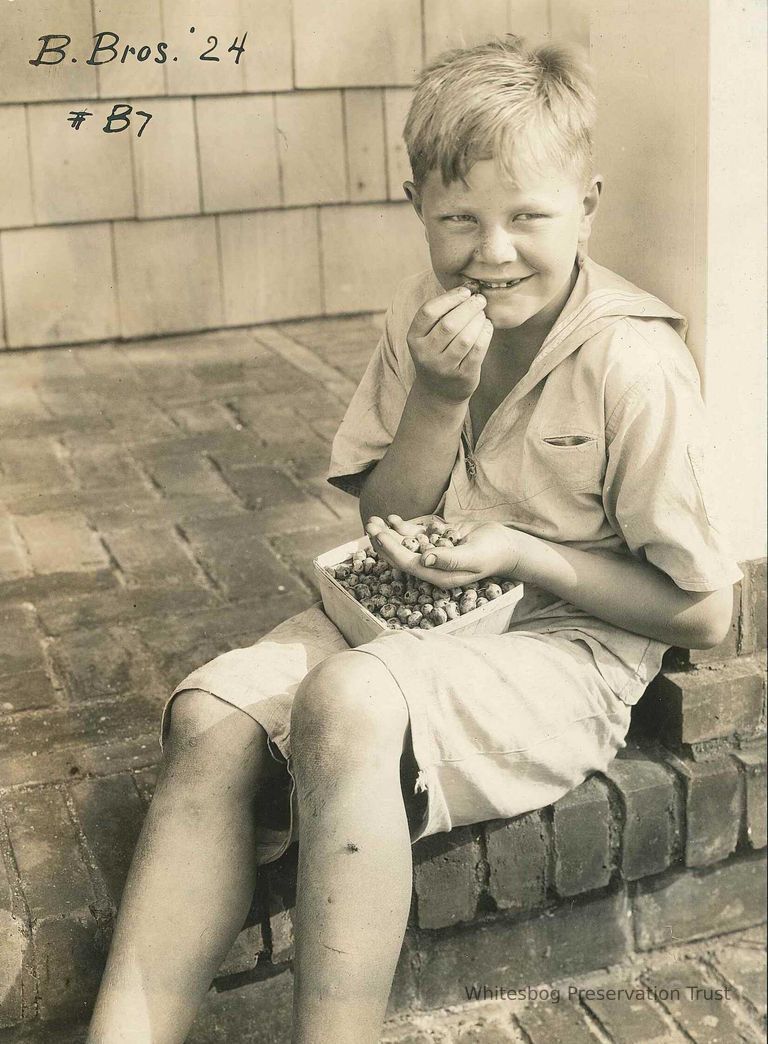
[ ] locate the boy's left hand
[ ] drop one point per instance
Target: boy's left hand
(484, 549)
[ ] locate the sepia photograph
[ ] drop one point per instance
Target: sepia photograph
(383, 521)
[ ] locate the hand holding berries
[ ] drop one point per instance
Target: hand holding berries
(448, 339)
(397, 596)
(449, 556)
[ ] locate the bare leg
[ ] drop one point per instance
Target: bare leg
(349, 724)
(192, 877)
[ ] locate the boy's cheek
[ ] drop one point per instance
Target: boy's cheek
(446, 279)
(448, 268)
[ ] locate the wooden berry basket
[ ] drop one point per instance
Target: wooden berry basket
(359, 626)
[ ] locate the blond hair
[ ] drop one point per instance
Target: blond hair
(502, 101)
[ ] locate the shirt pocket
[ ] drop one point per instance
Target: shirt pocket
(515, 476)
(697, 462)
(569, 460)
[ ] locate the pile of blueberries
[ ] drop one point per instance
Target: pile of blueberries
(401, 600)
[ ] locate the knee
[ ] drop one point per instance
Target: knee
(348, 704)
(207, 738)
(194, 716)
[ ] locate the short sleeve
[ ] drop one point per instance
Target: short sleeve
(372, 417)
(657, 494)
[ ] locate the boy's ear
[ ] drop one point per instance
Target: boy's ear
(590, 203)
(414, 196)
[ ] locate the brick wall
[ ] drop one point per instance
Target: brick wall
(266, 190)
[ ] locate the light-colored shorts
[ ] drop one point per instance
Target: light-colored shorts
(500, 724)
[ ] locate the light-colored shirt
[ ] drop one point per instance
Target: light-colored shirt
(601, 446)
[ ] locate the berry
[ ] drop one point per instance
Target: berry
(412, 544)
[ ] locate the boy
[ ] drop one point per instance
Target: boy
(550, 410)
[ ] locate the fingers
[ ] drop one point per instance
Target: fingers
(447, 315)
(431, 311)
(409, 528)
(390, 545)
(442, 558)
(474, 356)
(475, 335)
(405, 529)
(375, 525)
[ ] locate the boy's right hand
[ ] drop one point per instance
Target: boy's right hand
(448, 339)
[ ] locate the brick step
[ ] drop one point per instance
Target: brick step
(660, 849)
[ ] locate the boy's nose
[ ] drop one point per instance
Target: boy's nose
(496, 247)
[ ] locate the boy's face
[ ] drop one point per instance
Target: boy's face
(523, 233)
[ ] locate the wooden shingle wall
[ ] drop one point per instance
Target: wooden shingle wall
(260, 190)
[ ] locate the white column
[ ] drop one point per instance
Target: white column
(681, 141)
(735, 325)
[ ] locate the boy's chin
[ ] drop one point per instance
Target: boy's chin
(507, 318)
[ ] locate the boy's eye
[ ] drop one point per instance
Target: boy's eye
(458, 218)
(528, 217)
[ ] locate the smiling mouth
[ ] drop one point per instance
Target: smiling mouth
(481, 284)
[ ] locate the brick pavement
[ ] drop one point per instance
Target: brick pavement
(707, 993)
(161, 502)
